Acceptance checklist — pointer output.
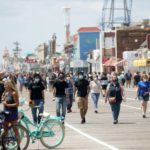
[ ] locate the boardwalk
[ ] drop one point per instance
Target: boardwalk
(99, 133)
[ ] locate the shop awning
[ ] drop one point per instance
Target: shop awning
(122, 62)
(110, 62)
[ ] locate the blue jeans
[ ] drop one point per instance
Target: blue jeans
(95, 98)
(69, 101)
(37, 117)
(115, 108)
(61, 104)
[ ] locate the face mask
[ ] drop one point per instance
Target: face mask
(36, 79)
(68, 81)
(61, 77)
(80, 76)
(95, 78)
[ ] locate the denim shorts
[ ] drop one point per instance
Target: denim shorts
(143, 98)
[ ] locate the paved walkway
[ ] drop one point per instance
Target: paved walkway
(99, 133)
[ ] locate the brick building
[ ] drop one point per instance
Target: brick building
(130, 39)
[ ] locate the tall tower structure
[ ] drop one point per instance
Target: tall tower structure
(67, 23)
(17, 49)
(116, 13)
(16, 56)
(6, 59)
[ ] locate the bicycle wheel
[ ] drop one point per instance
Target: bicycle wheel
(52, 134)
(15, 136)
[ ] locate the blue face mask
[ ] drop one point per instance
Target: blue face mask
(36, 80)
(67, 81)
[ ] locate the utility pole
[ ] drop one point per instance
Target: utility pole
(67, 23)
(16, 53)
(67, 34)
(17, 49)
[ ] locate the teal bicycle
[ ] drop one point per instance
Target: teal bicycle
(50, 131)
(8, 138)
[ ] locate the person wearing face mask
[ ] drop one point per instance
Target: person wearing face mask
(70, 90)
(114, 94)
(82, 89)
(143, 90)
(60, 93)
(36, 95)
(95, 89)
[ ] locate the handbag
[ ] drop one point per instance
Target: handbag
(112, 100)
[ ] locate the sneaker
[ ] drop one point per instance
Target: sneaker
(144, 116)
(18, 148)
(69, 111)
(115, 122)
(96, 111)
(83, 121)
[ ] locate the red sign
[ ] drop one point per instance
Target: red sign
(30, 61)
(148, 41)
(69, 48)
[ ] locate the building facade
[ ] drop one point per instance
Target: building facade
(42, 52)
(130, 39)
(88, 40)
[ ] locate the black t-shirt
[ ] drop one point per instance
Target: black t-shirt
(2, 89)
(82, 86)
(60, 87)
(137, 78)
(115, 91)
(36, 90)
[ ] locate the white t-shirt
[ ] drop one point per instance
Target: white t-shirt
(95, 86)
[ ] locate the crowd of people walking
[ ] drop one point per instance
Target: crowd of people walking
(67, 88)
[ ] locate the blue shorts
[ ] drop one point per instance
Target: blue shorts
(143, 98)
(13, 116)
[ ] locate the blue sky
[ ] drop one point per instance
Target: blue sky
(32, 22)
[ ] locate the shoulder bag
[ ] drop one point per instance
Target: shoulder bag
(112, 100)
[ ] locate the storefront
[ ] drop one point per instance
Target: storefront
(109, 65)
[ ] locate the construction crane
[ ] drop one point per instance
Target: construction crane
(116, 13)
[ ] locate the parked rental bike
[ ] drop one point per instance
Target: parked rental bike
(50, 131)
(8, 138)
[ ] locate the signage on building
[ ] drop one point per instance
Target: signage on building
(30, 61)
(69, 48)
(79, 64)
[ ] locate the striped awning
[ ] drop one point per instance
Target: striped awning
(122, 62)
(111, 62)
